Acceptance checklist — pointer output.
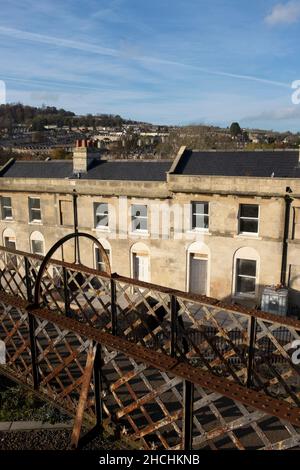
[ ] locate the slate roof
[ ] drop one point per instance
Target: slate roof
(280, 164)
(100, 170)
(39, 169)
(284, 164)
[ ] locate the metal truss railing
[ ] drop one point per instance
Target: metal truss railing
(173, 370)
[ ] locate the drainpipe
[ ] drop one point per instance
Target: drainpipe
(75, 214)
(288, 202)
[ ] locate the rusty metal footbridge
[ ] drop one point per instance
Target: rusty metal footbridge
(167, 369)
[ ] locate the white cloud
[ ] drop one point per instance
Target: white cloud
(275, 114)
(284, 13)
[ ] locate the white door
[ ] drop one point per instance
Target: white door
(141, 267)
(198, 275)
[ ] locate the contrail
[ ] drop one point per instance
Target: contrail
(94, 49)
(55, 41)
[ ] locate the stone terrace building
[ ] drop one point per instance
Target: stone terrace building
(223, 224)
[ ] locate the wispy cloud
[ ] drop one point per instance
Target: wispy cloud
(120, 53)
(275, 114)
(284, 13)
(57, 41)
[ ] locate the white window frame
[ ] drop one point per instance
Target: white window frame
(37, 237)
(3, 207)
(41, 253)
(248, 218)
(33, 209)
(99, 226)
(193, 213)
(237, 275)
(9, 240)
(97, 263)
(140, 217)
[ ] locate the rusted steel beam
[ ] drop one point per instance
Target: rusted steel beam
(251, 351)
(187, 428)
(159, 424)
(194, 298)
(33, 349)
(113, 306)
(98, 386)
(62, 365)
(127, 377)
(66, 292)
(148, 397)
(174, 318)
(257, 400)
(83, 397)
(28, 280)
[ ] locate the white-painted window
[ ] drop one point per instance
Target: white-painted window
(37, 243)
(6, 208)
(246, 272)
(248, 218)
(99, 262)
(35, 214)
(200, 215)
(101, 215)
(139, 218)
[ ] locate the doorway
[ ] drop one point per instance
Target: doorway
(198, 274)
(141, 267)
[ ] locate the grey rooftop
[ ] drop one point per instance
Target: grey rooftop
(279, 164)
(99, 170)
(265, 164)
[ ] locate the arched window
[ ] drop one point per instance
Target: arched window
(37, 243)
(140, 262)
(9, 238)
(198, 268)
(246, 272)
(98, 261)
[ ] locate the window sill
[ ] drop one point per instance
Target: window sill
(35, 222)
(7, 220)
(139, 233)
(101, 229)
(197, 231)
(248, 236)
(240, 295)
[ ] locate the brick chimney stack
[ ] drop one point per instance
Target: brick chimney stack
(84, 153)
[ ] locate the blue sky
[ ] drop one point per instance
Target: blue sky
(185, 61)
